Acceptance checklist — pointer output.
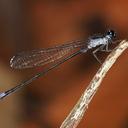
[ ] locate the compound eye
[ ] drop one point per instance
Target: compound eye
(111, 33)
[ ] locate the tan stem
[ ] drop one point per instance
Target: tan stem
(76, 114)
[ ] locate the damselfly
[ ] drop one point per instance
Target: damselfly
(56, 55)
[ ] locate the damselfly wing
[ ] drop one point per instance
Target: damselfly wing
(44, 56)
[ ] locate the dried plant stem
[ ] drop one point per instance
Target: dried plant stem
(81, 106)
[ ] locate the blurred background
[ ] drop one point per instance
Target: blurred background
(35, 24)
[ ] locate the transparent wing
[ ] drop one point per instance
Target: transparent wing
(44, 56)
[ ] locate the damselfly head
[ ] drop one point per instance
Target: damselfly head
(111, 34)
